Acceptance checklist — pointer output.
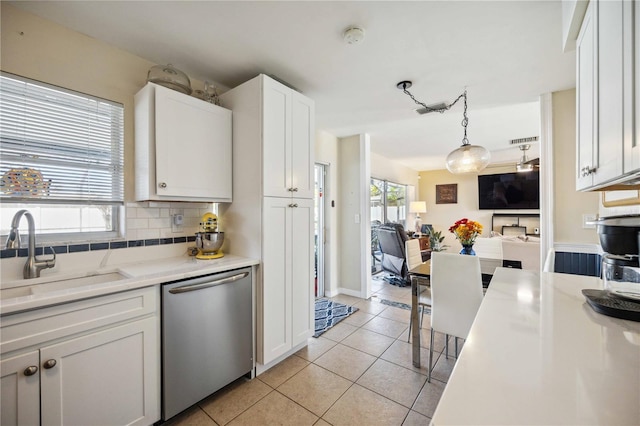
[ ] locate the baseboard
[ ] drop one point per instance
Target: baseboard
(261, 368)
(348, 292)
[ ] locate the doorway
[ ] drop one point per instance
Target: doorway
(319, 228)
(388, 203)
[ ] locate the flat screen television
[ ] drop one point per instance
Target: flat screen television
(509, 191)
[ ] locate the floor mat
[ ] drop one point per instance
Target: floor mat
(329, 313)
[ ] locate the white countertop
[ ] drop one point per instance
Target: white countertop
(137, 275)
(538, 354)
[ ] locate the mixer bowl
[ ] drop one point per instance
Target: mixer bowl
(209, 242)
(619, 234)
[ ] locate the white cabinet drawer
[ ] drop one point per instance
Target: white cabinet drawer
(25, 329)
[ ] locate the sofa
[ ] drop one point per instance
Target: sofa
(514, 251)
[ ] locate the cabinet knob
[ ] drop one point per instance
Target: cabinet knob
(587, 170)
(162, 185)
(293, 189)
(31, 370)
(50, 363)
(293, 205)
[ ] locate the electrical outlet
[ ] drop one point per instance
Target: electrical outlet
(177, 220)
(587, 221)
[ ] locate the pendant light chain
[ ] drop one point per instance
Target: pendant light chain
(465, 119)
(467, 158)
(429, 109)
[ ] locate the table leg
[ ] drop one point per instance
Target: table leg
(415, 322)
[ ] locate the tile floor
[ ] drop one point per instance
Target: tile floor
(357, 373)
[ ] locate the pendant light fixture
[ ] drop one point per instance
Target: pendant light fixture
(467, 158)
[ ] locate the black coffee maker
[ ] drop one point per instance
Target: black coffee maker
(620, 239)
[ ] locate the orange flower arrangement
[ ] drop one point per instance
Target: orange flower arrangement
(466, 231)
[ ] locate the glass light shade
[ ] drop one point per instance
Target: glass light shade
(468, 159)
(418, 207)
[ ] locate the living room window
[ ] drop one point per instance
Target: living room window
(388, 202)
(62, 159)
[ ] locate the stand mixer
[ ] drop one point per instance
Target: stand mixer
(209, 241)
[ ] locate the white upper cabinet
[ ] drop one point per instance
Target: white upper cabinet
(585, 105)
(183, 147)
(287, 126)
(607, 76)
(631, 67)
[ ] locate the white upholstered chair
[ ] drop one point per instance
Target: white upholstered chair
(550, 261)
(414, 258)
(456, 294)
(488, 248)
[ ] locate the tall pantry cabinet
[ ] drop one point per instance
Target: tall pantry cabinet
(271, 217)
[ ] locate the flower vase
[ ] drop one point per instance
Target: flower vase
(468, 249)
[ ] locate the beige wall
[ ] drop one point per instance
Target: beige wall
(569, 204)
(441, 216)
(354, 249)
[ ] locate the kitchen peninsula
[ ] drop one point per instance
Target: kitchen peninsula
(538, 354)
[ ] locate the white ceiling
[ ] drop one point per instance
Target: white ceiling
(506, 53)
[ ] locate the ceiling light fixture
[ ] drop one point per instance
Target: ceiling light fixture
(466, 159)
(524, 165)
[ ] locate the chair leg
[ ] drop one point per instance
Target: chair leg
(430, 356)
(446, 346)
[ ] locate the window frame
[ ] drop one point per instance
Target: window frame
(117, 204)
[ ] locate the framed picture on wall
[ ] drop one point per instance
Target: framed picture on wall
(620, 198)
(447, 194)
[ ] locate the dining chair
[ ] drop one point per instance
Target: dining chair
(456, 294)
(414, 258)
(550, 261)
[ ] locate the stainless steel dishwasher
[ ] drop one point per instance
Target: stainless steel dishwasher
(207, 336)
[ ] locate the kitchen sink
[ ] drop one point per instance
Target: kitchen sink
(49, 284)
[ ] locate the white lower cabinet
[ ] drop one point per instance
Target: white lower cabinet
(109, 376)
(20, 390)
(286, 297)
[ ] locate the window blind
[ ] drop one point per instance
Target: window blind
(59, 146)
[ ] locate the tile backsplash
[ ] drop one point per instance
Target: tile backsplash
(150, 220)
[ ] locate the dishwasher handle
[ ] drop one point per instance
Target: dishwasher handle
(207, 284)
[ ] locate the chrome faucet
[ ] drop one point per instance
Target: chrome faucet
(33, 266)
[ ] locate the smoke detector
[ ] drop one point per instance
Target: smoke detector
(353, 35)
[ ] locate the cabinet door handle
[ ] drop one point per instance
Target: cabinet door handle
(50, 363)
(162, 185)
(31, 370)
(293, 189)
(587, 170)
(293, 205)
